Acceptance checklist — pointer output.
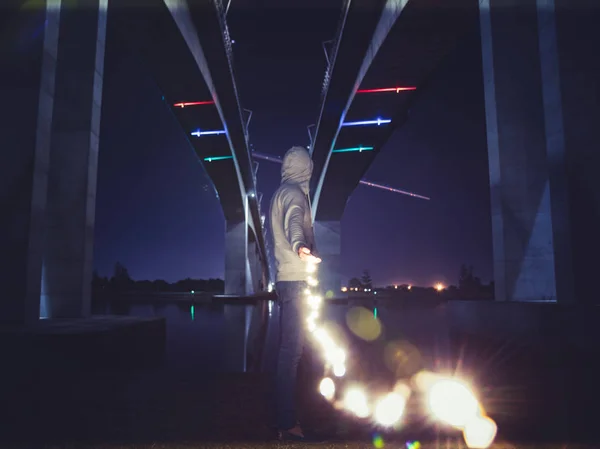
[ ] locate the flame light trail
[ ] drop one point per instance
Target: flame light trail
(449, 399)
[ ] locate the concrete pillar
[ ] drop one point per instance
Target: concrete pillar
(576, 76)
(27, 75)
(530, 225)
(237, 276)
(238, 281)
(73, 165)
(254, 266)
(328, 240)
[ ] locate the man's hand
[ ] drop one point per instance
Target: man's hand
(306, 256)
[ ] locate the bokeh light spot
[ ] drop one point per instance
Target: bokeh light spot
(378, 441)
(363, 324)
(402, 358)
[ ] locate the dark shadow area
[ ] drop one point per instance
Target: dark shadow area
(538, 390)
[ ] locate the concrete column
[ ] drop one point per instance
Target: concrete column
(569, 34)
(236, 258)
(527, 175)
(27, 75)
(68, 258)
(328, 240)
(237, 282)
(253, 266)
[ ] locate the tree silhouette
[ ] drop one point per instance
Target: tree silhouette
(468, 284)
(121, 279)
(98, 282)
(355, 283)
(366, 280)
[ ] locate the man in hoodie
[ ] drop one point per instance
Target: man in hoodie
(292, 230)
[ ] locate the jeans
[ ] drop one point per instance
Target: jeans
(291, 345)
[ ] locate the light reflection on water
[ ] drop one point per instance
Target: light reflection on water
(196, 333)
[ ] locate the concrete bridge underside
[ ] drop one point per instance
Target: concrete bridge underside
(542, 144)
(51, 83)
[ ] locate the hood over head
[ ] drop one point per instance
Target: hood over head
(297, 167)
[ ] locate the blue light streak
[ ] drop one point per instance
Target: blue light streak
(378, 121)
(199, 133)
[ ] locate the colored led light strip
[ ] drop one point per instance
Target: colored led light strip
(199, 133)
(385, 89)
(378, 121)
(192, 103)
(349, 150)
(217, 158)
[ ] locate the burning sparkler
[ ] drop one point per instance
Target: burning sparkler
(450, 400)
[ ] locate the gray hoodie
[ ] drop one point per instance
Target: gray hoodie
(291, 221)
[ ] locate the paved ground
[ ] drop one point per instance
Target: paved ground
(349, 445)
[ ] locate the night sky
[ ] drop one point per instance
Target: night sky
(157, 211)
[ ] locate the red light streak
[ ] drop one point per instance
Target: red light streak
(192, 103)
(385, 89)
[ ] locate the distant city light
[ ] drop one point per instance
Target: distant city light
(344, 289)
(439, 286)
(348, 150)
(199, 133)
(409, 287)
(217, 158)
(385, 89)
(192, 103)
(378, 121)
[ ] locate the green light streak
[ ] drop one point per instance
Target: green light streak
(217, 158)
(349, 150)
(375, 312)
(192, 311)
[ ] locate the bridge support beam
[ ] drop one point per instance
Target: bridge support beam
(238, 277)
(535, 155)
(49, 125)
(238, 281)
(72, 176)
(329, 245)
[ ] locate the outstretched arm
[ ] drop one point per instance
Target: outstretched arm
(295, 209)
